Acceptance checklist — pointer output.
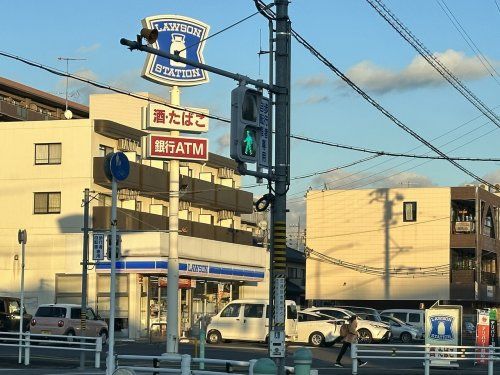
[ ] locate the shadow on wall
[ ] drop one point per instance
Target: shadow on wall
(71, 223)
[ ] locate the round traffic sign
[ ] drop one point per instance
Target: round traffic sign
(119, 166)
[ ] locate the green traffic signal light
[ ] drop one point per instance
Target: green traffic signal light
(248, 145)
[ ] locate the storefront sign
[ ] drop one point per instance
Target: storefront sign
(180, 148)
(183, 283)
(161, 117)
(443, 328)
(180, 36)
(197, 268)
(493, 327)
(482, 335)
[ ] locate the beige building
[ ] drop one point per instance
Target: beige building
(45, 167)
(401, 247)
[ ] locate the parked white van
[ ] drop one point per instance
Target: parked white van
(413, 317)
(248, 320)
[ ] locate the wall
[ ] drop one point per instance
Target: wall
(366, 227)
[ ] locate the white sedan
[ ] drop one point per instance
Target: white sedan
(317, 329)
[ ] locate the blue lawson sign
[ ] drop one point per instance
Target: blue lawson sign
(176, 33)
(441, 327)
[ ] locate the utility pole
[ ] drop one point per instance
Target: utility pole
(22, 238)
(278, 211)
(173, 254)
(85, 256)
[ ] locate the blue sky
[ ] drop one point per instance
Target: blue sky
(348, 32)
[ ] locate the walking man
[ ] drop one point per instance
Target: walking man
(351, 337)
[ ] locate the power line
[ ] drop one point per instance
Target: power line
(402, 30)
(465, 36)
(381, 109)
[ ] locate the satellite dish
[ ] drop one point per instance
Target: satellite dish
(68, 115)
(262, 224)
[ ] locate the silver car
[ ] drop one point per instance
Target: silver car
(401, 330)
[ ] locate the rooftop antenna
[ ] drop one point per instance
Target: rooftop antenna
(67, 113)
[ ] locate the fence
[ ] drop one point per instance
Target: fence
(425, 353)
(59, 342)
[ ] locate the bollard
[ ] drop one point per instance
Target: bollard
(27, 349)
(265, 366)
(490, 360)
(185, 364)
(354, 357)
(427, 364)
(302, 360)
(98, 350)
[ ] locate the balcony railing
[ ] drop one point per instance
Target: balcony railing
(144, 221)
(151, 181)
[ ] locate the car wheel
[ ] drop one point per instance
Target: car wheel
(316, 339)
(365, 336)
(214, 337)
(406, 337)
(71, 336)
(104, 335)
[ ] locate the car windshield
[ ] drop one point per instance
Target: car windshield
(390, 319)
(363, 312)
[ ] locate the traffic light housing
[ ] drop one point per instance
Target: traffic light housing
(118, 246)
(245, 126)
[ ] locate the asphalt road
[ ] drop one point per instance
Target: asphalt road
(58, 361)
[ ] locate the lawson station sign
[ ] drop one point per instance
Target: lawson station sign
(184, 35)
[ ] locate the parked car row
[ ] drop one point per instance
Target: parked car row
(51, 319)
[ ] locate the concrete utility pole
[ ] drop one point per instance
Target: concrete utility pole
(22, 238)
(173, 254)
(85, 260)
(281, 162)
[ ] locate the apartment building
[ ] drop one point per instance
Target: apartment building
(47, 162)
(401, 247)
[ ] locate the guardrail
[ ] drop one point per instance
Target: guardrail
(76, 343)
(424, 353)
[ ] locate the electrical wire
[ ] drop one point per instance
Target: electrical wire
(402, 30)
(465, 36)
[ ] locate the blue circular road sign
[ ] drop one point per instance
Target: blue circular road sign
(119, 166)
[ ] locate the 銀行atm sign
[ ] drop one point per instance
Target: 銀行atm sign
(180, 148)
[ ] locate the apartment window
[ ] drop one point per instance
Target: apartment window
(186, 171)
(104, 150)
(409, 211)
(47, 153)
(47, 203)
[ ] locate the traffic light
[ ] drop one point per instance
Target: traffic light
(118, 246)
(245, 126)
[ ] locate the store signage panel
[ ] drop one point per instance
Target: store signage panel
(443, 328)
(162, 117)
(180, 148)
(179, 35)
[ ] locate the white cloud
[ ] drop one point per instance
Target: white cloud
(418, 73)
(313, 81)
(315, 99)
(348, 180)
(223, 142)
(87, 49)
(493, 177)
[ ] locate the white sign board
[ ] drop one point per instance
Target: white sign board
(277, 347)
(98, 248)
(161, 117)
(279, 300)
(443, 326)
(264, 150)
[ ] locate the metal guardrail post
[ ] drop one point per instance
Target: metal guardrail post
(185, 364)
(354, 356)
(251, 365)
(27, 342)
(98, 350)
(491, 352)
(202, 348)
(156, 364)
(427, 364)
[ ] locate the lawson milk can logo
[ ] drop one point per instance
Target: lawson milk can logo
(441, 327)
(187, 37)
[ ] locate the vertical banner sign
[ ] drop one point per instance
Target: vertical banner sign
(98, 248)
(493, 327)
(180, 36)
(482, 335)
(443, 328)
(264, 151)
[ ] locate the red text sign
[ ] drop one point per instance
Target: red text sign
(181, 148)
(161, 117)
